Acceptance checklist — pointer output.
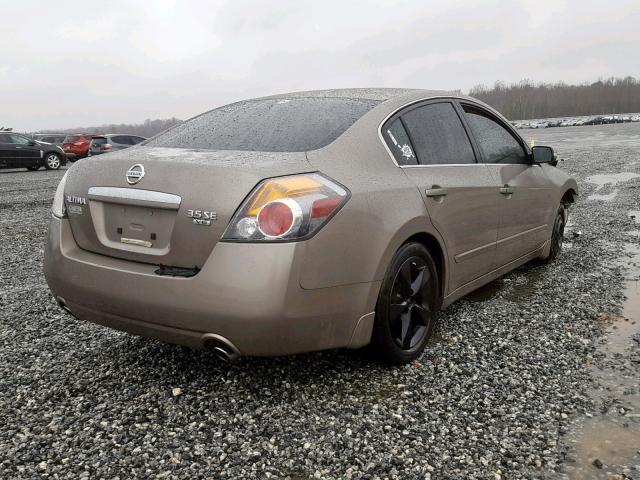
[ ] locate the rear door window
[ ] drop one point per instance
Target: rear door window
(498, 144)
(5, 138)
(438, 135)
(398, 142)
(72, 138)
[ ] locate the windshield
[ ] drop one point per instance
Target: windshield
(296, 124)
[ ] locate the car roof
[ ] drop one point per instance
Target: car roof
(380, 94)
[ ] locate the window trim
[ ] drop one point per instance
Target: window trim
(398, 112)
(457, 104)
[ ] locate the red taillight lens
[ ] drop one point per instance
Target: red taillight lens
(287, 208)
(275, 219)
(107, 146)
(325, 207)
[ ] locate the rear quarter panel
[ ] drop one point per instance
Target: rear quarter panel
(385, 209)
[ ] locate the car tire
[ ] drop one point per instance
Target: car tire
(407, 306)
(52, 161)
(33, 168)
(557, 235)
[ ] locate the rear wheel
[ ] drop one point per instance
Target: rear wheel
(52, 161)
(407, 304)
(557, 235)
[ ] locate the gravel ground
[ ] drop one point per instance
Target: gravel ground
(494, 395)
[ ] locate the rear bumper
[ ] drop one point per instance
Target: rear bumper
(247, 294)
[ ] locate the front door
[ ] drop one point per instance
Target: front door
(7, 150)
(459, 193)
(524, 189)
(25, 152)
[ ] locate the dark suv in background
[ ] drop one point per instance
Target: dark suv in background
(20, 151)
(55, 138)
(112, 142)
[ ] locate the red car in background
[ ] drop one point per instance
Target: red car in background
(76, 146)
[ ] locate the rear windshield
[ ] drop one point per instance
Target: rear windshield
(270, 125)
(98, 141)
(72, 138)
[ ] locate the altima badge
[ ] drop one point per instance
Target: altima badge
(135, 174)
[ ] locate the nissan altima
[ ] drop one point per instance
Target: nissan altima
(305, 221)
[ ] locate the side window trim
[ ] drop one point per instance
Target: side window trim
(497, 120)
(420, 103)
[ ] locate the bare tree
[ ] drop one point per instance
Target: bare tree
(526, 99)
(147, 129)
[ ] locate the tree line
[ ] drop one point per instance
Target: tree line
(526, 99)
(146, 129)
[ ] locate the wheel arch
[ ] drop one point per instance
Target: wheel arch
(436, 251)
(569, 196)
(425, 234)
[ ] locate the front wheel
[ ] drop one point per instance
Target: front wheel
(557, 236)
(52, 161)
(407, 304)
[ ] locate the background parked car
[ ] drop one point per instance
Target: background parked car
(76, 146)
(55, 138)
(20, 151)
(111, 142)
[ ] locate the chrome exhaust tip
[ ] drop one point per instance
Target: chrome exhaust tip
(225, 355)
(222, 348)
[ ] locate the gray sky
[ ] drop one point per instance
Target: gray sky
(82, 63)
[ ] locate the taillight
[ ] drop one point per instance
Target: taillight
(77, 144)
(106, 146)
(287, 208)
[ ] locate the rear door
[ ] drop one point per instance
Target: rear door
(431, 144)
(524, 190)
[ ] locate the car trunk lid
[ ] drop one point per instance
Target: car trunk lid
(165, 206)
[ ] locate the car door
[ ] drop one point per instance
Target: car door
(524, 188)
(25, 151)
(432, 146)
(7, 150)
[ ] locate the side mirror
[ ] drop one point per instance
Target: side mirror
(544, 155)
(31, 143)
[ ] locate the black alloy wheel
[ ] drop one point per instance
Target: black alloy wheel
(407, 305)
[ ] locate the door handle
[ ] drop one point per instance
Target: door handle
(506, 190)
(435, 191)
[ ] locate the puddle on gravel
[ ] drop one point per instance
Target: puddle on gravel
(607, 445)
(608, 179)
(516, 288)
